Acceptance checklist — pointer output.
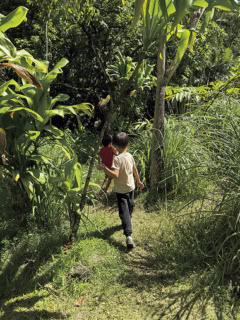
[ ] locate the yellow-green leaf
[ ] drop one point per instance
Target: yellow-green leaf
(182, 7)
(64, 150)
(33, 135)
(16, 175)
(183, 44)
(34, 114)
(200, 3)
(13, 19)
(192, 41)
(138, 8)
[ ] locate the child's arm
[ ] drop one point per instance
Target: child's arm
(113, 173)
(139, 183)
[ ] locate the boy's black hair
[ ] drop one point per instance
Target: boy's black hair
(106, 140)
(120, 139)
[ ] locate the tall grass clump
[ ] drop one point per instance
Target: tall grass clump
(206, 234)
(183, 154)
(223, 136)
(141, 148)
(184, 158)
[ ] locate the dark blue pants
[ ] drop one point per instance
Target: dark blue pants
(125, 203)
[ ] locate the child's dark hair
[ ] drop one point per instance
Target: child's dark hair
(106, 140)
(120, 139)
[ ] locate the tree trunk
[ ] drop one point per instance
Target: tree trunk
(157, 165)
(157, 178)
(46, 37)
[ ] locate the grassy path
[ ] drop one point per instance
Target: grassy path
(121, 285)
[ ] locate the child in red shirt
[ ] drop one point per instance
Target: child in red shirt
(106, 154)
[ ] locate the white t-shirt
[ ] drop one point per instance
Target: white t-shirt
(124, 162)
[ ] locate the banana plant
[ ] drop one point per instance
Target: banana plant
(161, 20)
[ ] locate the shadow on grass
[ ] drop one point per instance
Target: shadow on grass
(172, 297)
(107, 234)
(178, 295)
(21, 276)
(13, 310)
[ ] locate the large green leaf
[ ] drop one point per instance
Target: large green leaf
(32, 113)
(7, 47)
(53, 130)
(13, 19)
(55, 112)
(153, 22)
(42, 66)
(4, 109)
(227, 5)
(163, 7)
(208, 17)
(192, 40)
(73, 173)
(68, 110)
(60, 64)
(138, 8)
(84, 107)
(28, 185)
(28, 100)
(43, 102)
(61, 97)
(56, 179)
(37, 175)
(11, 100)
(40, 158)
(47, 80)
(182, 7)
(4, 86)
(183, 44)
(78, 174)
(33, 135)
(200, 3)
(64, 149)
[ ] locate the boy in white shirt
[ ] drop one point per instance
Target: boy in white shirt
(122, 171)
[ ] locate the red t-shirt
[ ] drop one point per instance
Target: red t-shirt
(106, 154)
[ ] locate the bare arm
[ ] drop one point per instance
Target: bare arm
(113, 173)
(139, 183)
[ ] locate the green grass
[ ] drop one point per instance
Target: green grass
(160, 279)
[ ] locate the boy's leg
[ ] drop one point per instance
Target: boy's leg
(108, 182)
(131, 202)
(123, 201)
(105, 182)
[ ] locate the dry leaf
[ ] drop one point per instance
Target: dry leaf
(48, 286)
(133, 93)
(79, 302)
(23, 73)
(3, 144)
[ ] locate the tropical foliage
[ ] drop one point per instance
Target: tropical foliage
(166, 72)
(163, 20)
(25, 117)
